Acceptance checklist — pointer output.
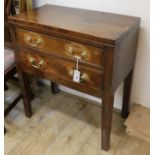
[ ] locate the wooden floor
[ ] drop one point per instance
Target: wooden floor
(65, 125)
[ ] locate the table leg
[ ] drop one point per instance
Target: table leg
(126, 95)
(54, 88)
(26, 92)
(106, 120)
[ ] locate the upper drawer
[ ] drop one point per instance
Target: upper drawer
(61, 47)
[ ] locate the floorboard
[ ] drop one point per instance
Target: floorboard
(64, 125)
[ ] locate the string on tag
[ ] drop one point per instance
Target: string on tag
(77, 63)
(76, 73)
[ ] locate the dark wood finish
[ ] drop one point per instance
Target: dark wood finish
(126, 95)
(23, 79)
(26, 92)
(12, 105)
(124, 56)
(7, 10)
(107, 100)
(99, 26)
(109, 39)
(9, 74)
(61, 47)
(61, 72)
(54, 88)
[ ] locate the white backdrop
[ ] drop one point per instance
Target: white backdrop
(140, 90)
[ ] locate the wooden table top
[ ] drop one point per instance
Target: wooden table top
(100, 26)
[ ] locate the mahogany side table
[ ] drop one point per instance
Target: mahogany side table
(90, 51)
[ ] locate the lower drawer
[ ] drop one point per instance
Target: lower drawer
(60, 71)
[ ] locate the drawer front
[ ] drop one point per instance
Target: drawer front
(60, 71)
(61, 47)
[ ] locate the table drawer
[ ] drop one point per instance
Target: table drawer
(59, 70)
(61, 47)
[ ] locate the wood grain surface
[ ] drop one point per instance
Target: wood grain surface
(99, 26)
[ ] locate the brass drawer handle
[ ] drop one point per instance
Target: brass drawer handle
(28, 39)
(34, 64)
(82, 55)
(84, 76)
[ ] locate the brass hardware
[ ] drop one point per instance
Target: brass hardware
(83, 53)
(33, 63)
(31, 59)
(71, 72)
(36, 66)
(71, 50)
(28, 40)
(84, 76)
